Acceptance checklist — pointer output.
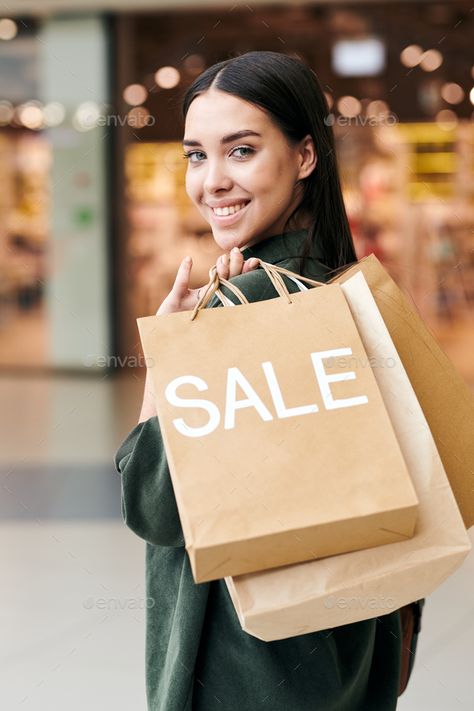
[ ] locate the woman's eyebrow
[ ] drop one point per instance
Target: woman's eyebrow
(226, 139)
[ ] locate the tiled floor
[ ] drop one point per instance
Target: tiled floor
(73, 606)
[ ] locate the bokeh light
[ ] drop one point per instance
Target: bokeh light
(452, 93)
(431, 60)
(135, 94)
(139, 117)
(167, 77)
(86, 116)
(8, 29)
(411, 55)
(30, 115)
(377, 109)
(349, 106)
(54, 113)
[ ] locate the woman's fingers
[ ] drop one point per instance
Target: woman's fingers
(230, 266)
(181, 282)
(236, 262)
(249, 265)
(181, 297)
(222, 266)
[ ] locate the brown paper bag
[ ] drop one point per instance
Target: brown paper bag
(272, 460)
(447, 401)
(355, 586)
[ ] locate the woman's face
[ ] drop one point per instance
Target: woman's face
(254, 173)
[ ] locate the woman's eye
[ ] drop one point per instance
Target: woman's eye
(244, 148)
(191, 154)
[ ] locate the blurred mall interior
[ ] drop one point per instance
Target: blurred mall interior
(93, 176)
(94, 220)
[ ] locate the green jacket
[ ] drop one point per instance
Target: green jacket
(197, 656)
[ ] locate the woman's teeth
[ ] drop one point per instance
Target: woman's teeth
(228, 210)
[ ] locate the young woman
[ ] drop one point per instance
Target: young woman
(262, 171)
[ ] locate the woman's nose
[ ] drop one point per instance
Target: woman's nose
(216, 178)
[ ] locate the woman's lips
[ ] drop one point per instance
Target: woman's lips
(228, 219)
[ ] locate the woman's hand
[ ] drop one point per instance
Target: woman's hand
(182, 298)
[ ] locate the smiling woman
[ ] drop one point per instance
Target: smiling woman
(270, 107)
(263, 173)
(233, 183)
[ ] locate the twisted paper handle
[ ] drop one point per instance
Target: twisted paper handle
(273, 272)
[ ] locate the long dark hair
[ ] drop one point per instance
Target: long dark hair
(289, 91)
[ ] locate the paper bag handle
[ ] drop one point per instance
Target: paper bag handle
(274, 274)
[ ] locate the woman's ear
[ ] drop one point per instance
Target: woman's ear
(307, 157)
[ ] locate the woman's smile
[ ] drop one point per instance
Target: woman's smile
(228, 215)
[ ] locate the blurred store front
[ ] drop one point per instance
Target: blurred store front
(55, 268)
(95, 218)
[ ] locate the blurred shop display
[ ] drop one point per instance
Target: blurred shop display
(25, 164)
(25, 161)
(410, 193)
(53, 203)
(437, 164)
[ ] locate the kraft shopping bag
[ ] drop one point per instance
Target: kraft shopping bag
(446, 400)
(273, 459)
(343, 589)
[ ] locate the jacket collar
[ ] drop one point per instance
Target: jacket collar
(281, 247)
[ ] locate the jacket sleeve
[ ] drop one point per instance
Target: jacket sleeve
(148, 502)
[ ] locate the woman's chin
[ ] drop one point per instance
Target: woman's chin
(228, 237)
